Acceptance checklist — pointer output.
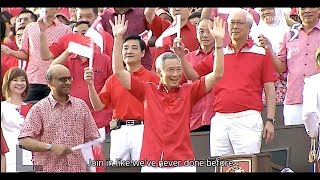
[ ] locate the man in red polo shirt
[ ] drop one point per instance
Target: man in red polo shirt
(237, 126)
(127, 125)
(166, 143)
(159, 25)
(102, 69)
(202, 112)
(83, 14)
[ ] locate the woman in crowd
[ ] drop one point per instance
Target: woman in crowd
(15, 90)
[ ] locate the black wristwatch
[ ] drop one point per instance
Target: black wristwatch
(271, 120)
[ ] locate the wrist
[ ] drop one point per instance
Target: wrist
(272, 120)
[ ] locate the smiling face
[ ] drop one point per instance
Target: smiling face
(203, 34)
(238, 26)
(131, 51)
(18, 86)
(267, 15)
(309, 15)
(60, 80)
(169, 72)
(15, 83)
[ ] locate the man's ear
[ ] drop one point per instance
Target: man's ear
(158, 72)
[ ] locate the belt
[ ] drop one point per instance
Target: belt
(131, 122)
(238, 114)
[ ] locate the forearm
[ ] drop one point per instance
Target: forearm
(278, 64)
(94, 99)
(61, 59)
(20, 55)
(32, 144)
(269, 90)
(206, 13)
(188, 70)
(149, 14)
(45, 52)
(3, 163)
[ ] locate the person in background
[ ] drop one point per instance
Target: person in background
(63, 16)
(57, 123)
(194, 17)
(296, 54)
(15, 89)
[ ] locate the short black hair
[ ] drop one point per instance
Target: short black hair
(3, 28)
(78, 23)
(204, 19)
(34, 17)
(196, 14)
(6, 15)
(136, 37)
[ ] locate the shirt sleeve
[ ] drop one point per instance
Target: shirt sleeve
(205, 66)
(268, 71)
(91, 131)
(58, 47)
(158, 25)
(25, 40)
(198, 90)
(282, 53)
(105, 93)
(108, 39)
(32, 126)
(137, 88)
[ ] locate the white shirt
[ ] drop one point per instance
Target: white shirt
(11, 123)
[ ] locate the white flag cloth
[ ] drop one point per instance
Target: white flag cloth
(168, 32)
(96, 36)
(79, 49)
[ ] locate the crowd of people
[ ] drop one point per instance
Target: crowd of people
(150, 77)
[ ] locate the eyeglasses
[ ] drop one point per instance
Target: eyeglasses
(239, 23)
(64, 79)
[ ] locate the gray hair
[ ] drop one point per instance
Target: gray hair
(161, 59)
(249, 18)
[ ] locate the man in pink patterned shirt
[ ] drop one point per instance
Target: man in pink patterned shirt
(56, 124)
(297, 55)
(30, 51)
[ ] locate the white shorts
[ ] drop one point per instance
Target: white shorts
(169, 169)
(236, 133)
(292, 114)
(126, 143)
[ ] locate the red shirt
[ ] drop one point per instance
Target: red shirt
(62, 44)
(137, 24)
(125, 106)
(245, 72)
(102, 70)
(167, 119)
(202, 112)
(188, 35)
(4, 147)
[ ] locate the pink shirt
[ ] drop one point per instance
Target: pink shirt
(71, 125)
(202, 112)
(300, 56)
(37, 68)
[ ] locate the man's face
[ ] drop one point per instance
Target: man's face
(48, 12)
(238, 26)
(86, 14)
(309, 15)
(24, 19)
(170, 73)
(267, 15)
(18, 37)
(131, 51)
(80, 29)
(184, 12)
(61, 82)
(203, 34)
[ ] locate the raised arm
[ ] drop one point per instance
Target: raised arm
(17, 54)
(150, 14)
(119, 27)
(218, 31)
(61, 59)
(206, 13)
(45, 52)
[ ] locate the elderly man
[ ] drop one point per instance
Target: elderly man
(237, 126)
(297, 55)
(56, 124)
(166, 145)
(202, 112)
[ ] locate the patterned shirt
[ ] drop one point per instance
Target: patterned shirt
(71, 124)
(37, 68)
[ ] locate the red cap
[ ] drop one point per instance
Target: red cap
(14, 11)
(64, 12)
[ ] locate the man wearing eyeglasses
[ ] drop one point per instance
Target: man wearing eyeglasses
(56, 124)
(237, 127)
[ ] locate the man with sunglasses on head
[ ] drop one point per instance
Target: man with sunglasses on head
(56, 124)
